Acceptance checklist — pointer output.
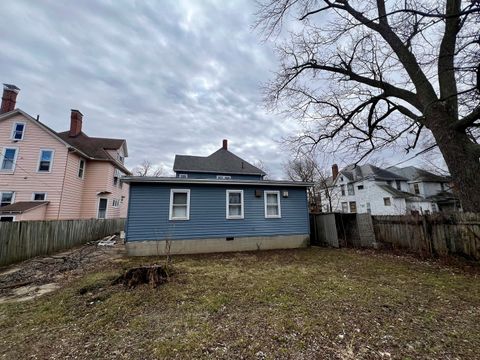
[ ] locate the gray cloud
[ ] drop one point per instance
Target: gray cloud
(170, 77)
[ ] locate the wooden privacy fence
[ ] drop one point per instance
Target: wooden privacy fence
(26, 239)
(437, 234)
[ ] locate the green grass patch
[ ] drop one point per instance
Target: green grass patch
(308, 303)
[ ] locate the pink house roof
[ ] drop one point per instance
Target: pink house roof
(91, 148)
(21, 207)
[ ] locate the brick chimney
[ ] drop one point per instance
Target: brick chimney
(9, 98)
(75, 123)
(225, 144)
(334, 171)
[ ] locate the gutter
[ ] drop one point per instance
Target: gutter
(174, 180)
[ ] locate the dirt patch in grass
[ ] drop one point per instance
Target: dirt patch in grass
(43, 274)
(297, 304)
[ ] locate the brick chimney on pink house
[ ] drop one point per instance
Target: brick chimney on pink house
(76, 118)
(9, 98)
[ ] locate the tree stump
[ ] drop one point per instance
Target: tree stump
(154, 275)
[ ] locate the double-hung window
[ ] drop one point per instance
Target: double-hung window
(179, 204)
(6, 198)
(350, 189)
(272, 204)
(8, 159)
(234, 204)
(81, 168)
(18, 131)
(45, 161)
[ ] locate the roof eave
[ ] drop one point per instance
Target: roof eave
(174, 180)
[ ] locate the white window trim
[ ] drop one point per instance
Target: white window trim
(12, 216)
(12, 135)
(224, 177)
(13, 195)
(84, 167)
(98, 208)
(265, 193)
(2, 157)
(170, 214)
(51, 162)
(39, 192)
(183, 176)
(227, 203)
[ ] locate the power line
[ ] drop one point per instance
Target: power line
(417, 154)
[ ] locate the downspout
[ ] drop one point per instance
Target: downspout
(63, 184)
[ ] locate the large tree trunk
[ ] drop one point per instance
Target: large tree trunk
(461, 156)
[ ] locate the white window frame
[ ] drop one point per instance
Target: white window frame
(12, 137)
(98, 208)
(224, 177)
(12, 216)
(269, 192)
(39, 192)
(170, 213)
(13, 196)
(2, 157)
(385, 201)
(227, 203)
(40, 159)
(83, 171)
(183, 176)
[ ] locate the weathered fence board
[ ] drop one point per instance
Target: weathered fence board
(26, 239)
(323, 230)
(437, 234)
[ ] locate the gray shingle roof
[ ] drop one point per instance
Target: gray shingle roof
(221, 161)
(359, 172)
(396, 193)
(413, 173)
(21, 207)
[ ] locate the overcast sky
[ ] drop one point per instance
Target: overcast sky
(171, 77)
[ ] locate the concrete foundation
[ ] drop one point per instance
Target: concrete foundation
(199, 246)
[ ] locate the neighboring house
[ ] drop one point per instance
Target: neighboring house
(215, 203)
(49, 175)
(395, 191)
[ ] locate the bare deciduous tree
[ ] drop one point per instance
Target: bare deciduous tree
(146, 168)
(306, 167)
(382, 72)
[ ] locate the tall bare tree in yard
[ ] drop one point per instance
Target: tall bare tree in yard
(306, 167)
(146, 168)
(382, 72)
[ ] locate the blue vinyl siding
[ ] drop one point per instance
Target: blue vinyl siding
(197, 175)
(148, 213)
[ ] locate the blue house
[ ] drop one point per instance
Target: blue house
(214, 204)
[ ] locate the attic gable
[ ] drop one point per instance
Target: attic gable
(221, 161)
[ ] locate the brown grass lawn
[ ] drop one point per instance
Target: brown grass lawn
(294, 304)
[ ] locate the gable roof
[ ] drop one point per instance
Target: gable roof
(89, 147)
(413, 173)
(221, 161)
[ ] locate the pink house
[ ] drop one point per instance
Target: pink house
(49, 175)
